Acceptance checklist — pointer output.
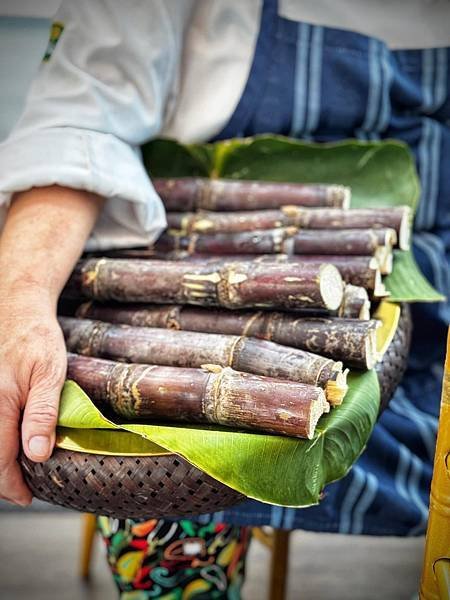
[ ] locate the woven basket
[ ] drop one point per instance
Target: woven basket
(163, 486)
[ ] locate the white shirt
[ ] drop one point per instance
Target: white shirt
(123, 73)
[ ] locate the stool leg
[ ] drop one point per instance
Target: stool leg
(442, 574)
(436, 565)
(279, 566)
(89, 525)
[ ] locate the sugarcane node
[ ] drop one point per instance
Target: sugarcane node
(339, 196)
(293, 212)
(210, 368)
(173, 318)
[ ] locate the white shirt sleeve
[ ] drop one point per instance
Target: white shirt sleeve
(106, 89)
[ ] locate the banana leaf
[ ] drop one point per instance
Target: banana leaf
(270, 468)
(379, 173)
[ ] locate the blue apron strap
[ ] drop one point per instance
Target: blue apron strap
(251, 94)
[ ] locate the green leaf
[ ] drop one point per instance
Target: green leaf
(166, 158)
(269, 468)
(407, 284)
(379, 173)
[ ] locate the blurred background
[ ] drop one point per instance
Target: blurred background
(40, 546)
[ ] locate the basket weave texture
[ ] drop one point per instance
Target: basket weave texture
(391, 369)
(163, 486)
(127, 486)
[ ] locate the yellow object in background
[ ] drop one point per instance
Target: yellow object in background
(435, 583)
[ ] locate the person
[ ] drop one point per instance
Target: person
(71, 177)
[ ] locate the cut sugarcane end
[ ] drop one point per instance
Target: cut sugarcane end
(355, 297)
(331, 286)
(373, 263)
(364, 313)
(388, 315)
(339, 196)
(336, 388)
(371, 354)
(319, 406)
(383, 254)
(388, 264)
(404, 234)
(379, 289)
(291, 211)
(391, 237)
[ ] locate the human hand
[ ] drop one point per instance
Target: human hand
(32, 372)
(43, 236)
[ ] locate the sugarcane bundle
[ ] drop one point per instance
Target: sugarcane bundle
(255, 288)
(193, 349)
(396, 218)
(190, 193)
(351, 341)
(210, 395)
(239, 284)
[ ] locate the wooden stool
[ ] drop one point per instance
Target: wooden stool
(435, 584)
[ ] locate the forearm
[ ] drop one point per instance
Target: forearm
(44, 234)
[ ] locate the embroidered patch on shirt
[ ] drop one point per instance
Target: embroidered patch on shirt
(55, 33)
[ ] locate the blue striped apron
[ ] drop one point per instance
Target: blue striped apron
(324, 84)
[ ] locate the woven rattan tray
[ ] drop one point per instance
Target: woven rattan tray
(163, 486)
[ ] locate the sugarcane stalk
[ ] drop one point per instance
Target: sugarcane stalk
(193, 349)
(219, 396)
(228, 222)
(395, 219)
(356, 304)
(269, 241)
(348, 340)
(358, 270)
(232, 285)
(363, 271)
(190, 193)
(363, 242)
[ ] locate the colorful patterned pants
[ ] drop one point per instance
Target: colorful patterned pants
(175, 560)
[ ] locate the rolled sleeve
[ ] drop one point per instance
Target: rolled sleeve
(105, 90)
(96, 162)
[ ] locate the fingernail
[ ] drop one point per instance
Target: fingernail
(39, 445)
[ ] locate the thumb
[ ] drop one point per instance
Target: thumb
(39, 420)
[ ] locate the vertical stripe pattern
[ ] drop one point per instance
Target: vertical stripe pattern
(375, 86)
(354, 490)
(344, 81)
(315, 80)
(301, 79)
